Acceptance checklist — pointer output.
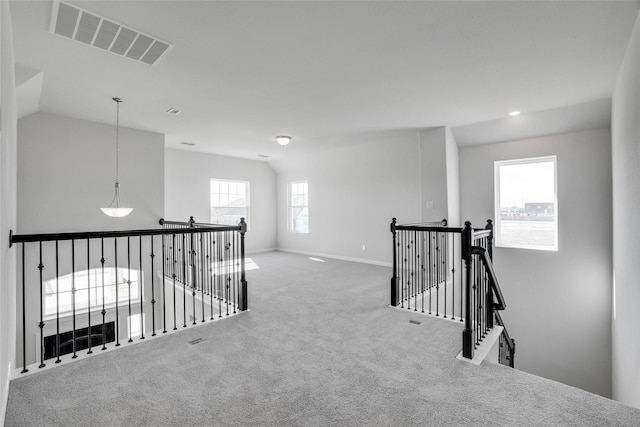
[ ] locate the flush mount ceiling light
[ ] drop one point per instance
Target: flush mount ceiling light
(514, 113)
(283, 139)
(114, 209)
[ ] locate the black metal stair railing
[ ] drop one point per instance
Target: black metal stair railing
(87, 290)
(447, 272)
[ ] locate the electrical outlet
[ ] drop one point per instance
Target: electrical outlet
(430, 205)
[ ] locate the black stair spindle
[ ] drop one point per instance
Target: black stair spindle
(89, 296)
(24, 316)
(103, 312)
(174, 276)
(117, 285)
(41, 324)
(184, 282)
(140, 288)
(153, 295)
(129, 285)
(57, 305)
(73, 295)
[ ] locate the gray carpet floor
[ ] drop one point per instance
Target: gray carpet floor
(319, 347)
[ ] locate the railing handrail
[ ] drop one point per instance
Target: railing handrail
(480, 233)
(48, 237)
(500, 304)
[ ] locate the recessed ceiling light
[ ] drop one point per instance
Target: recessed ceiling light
(283, 139)
(190, 144)
(264, 156)
(514, 113)
(173, 111)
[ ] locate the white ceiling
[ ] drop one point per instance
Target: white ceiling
(320, 71)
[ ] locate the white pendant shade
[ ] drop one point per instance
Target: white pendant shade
(115, 210)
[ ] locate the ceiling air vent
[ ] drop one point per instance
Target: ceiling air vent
(86, 27)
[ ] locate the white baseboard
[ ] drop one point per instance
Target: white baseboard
(338, 257)
(260, 251)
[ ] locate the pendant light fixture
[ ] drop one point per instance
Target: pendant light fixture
(115, 209)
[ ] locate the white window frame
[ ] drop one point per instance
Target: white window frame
(290, 206)
(498, 240)
(62, 305)
(220, 205)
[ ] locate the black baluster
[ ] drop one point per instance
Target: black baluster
(235, 257)
(89, 296)
(210, 270)
(423, 272)
(57, 307)
(444, 270)
(164, 294)
(436, 268)
(115, 248)
(194, 274)
(103, 312)
(173, 256)
(129, 284)
(184, 281)
(153, 295)
(24, 316)
(73, 294)
(219, 275)
(202, 278)
(140, 288)
(452, 238)
(41, 324)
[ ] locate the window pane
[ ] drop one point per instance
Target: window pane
(229, 202)
(526, 207)
(298, 207)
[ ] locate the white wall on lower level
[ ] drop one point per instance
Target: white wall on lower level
(558, 303)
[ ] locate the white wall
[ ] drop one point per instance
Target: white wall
(558, 303)
(354, 192)
(433, 174)
(188, 176)
(626, 215)
(66, 173)
(7, 204)
(453, 180)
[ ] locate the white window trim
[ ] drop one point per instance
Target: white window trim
(497, 228)
(289, 208)
(248, 201)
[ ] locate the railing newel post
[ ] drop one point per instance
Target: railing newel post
(394, 277)
(467, 333)
(242, 298)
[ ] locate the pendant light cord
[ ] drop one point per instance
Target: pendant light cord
(118, 101)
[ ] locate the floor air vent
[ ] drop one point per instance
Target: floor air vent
(86, 27)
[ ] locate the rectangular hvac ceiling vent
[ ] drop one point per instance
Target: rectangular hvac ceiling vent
(86, 27)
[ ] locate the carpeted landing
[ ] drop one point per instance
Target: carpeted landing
(319, 347)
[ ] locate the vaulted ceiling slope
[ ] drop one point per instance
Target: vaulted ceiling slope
(242, 72)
